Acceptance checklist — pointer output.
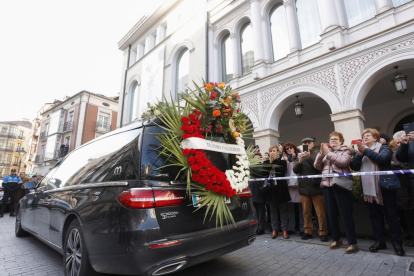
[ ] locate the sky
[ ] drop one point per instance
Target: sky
(52, 48)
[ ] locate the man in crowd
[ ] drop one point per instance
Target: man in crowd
(310, 191)
(11, 185)
(405, 153)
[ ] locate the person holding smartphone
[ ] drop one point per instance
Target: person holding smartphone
(405, 153)
(310, 191)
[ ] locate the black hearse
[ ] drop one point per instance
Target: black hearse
(107, 207)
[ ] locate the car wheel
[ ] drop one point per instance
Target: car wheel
(18, 230)
(75, 256)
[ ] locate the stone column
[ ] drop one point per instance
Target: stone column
(328, 14)
(236, 56)
(383, 5)
(211, 55)
(266, 40)
(266, 138)
(292, 26)
(215, 64)
(257, 31)
(350, 123)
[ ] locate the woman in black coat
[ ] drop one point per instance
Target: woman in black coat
(259, 199)
(279, 192)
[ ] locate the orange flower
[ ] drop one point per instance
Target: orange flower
(227, 100)
(236, 134)
(216, 113)
(208, 86)
(203, 103)
(221, 85)
(234, 94)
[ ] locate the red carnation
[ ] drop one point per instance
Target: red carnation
(209, 187)
(195, 167)
(204, 180)
(216, 188)
(186, 152)
(195, 177)
(203, 172)
(191, 160)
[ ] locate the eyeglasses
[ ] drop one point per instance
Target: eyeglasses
(289, 148)
(334, 139)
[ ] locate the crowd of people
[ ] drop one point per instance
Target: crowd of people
(13, 189)
(294, 202)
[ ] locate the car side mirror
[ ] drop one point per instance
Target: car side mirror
(29, 185)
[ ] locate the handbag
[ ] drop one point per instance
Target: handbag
(316, 182)
(343, 182)
(389, 182)
(268, 184)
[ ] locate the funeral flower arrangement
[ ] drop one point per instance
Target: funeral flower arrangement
(208, 111)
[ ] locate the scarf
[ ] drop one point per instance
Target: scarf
(370, 183)
(289, 156)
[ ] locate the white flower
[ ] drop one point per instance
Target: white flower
(247, 172)
(152, 105)
(157, 112)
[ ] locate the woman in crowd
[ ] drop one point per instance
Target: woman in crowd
(287, 214)
(332, 158)
(373, 156)
(279, 194)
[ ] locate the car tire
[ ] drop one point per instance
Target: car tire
(18, 230)
(75, 256)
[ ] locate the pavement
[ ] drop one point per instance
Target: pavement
(266, 256)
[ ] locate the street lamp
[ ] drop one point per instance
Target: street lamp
(400, 81)
(21, 152)
(298, 107)
(1, 169)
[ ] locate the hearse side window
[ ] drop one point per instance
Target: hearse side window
(112, 158)
(151, 162)
(48, 181)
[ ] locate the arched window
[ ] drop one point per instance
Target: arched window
(308, 20)
(397, 3)
(226, 59)
(183, 68)
(246, 39)
(358, 11)
(279, 31)
(133, 102)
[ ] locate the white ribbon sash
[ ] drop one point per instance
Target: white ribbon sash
(199, 143)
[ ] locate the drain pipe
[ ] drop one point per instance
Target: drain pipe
(207, 75)
(123, 93)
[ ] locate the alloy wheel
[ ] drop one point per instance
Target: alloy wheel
(73, 254)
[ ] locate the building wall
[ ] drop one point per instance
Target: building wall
(90, 120)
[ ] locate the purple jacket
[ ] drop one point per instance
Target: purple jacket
(336, 161)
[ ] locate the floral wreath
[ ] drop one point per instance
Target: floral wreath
(211, 110)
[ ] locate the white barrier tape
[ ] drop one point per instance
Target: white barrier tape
(336, 175)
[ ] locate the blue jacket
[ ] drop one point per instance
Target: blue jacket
(382, 158)
(12, 182)
(405, 153)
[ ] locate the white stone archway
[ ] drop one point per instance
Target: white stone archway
(278, 105)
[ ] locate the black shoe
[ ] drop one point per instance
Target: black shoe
(399, 250)
(301, 234)
(1, 215)
(377, 246)
(409, 244)
(306, 236)
(291, 232)
(324, 238)
(261, 232)
(12, 215)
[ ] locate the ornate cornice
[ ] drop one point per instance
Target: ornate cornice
(231, 16)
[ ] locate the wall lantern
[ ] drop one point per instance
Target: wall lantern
(400, 81)
(298, 107)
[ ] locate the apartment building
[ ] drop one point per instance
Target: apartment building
(67, 124)
(14, 137)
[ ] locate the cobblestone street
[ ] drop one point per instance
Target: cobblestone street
(29, 256)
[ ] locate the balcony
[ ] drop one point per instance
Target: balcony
(102, 127)
(43, 136)
(68, 126)
(39, 159)
(8, 134)
(4, 148)
(20, 137)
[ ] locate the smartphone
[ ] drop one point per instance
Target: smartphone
(356, 141)
(305, 148)
(408, 128)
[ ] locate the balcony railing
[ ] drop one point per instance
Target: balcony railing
(102, 127)
(43, 136)
(8, 134)
(4, 148)
(67, 126)
(39, 159)
(20, 137)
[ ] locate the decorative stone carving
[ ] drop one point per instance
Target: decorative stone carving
(325, 77)
(350, 68)
(251, 102)
(287, 3)
(231, 16)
